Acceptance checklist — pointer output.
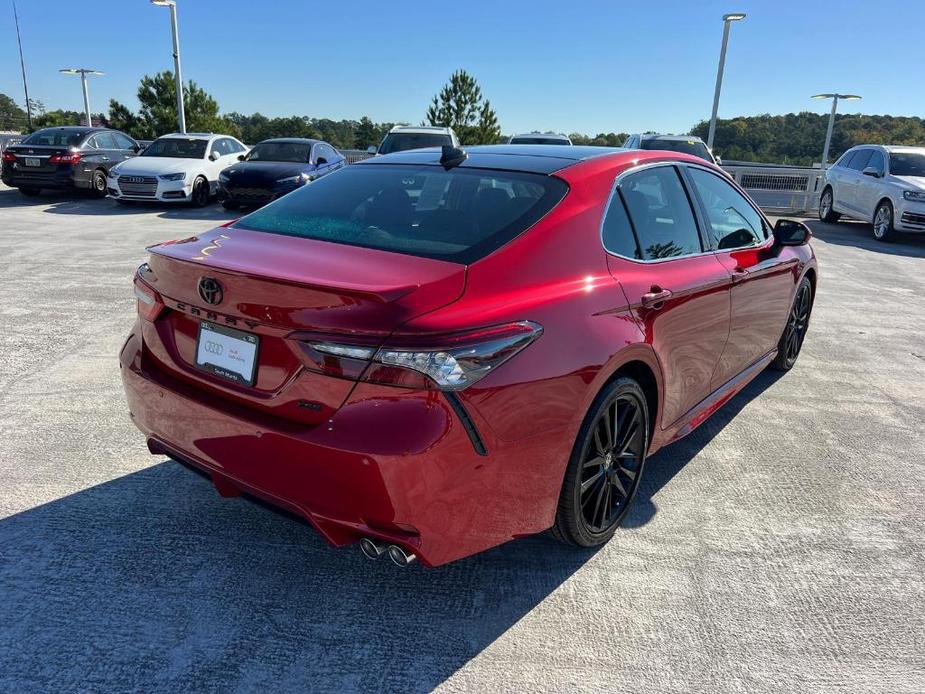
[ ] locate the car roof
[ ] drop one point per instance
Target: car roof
(676, 138)
(901, 148)
(547, 135)
(294, 141)
(420, 129)
(544, 159)
(193, 136)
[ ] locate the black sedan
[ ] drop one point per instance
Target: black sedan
(275, 167)
(66, 158)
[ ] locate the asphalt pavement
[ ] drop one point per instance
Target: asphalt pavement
(779, 548)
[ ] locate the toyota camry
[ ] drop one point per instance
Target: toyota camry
(433, 352)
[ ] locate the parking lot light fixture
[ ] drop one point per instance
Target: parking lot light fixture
(83, 72)
(728, 19)
(172, 6)
(828, 133)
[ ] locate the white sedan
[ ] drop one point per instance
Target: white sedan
(175, 168)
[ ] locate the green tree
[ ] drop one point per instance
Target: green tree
(158, 112)
(12, 117)
(459, 105)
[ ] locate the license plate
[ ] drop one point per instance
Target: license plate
(33, 161)
(229, 353)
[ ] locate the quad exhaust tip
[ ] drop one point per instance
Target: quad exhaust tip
(373, 549)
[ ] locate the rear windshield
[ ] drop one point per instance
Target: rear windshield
(400, 142)
(698, 149)
(907, 164)
(458, 215)
(296, 152)
(538, 141)
(55, 138)
(176, 147)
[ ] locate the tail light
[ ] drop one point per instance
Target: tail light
(149, 301)
(65, 158)
(447, 362)
(9, 156)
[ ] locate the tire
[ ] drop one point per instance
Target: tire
(98, 184)
(826, 207)
(200, 194)
(791, 341)
(604, 470)
(883, 222)
(30, 192)
(228, 205)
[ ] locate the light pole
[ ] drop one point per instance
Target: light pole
(83, 72)
(828, 133)
(181, 114)
(728, 19)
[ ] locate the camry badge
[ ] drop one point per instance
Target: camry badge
(210, 291)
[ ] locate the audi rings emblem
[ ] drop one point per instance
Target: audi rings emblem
(213, 348)
(210, 291)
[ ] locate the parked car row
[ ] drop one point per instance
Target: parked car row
(187, 167)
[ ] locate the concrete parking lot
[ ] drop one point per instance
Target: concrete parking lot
(779, 548)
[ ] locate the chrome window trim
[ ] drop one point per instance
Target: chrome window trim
(616, 184)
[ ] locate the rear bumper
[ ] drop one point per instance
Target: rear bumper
(391, 463)
(50, 181)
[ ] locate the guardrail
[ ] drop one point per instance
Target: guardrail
(355, 155)
(775, 188)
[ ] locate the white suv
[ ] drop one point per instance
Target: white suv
(404, 137)
(175, 168)
(881, 184)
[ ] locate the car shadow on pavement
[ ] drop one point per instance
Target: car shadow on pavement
(859, 235)
(669, 461)
(78, 203)
(153, 582)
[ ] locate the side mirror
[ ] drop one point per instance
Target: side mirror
(372, 149)
(789, 232)
(242, 157)
(214, 156)
(871, 171)
(320, 161)
(719, 161)
(138, 148)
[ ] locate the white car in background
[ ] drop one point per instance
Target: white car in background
(687, 144)
(404, 137)
(538, 138)
(881, 184)
(182, 167)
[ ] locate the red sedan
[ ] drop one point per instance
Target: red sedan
(434, 352)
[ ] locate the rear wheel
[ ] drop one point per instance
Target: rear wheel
(98, 184)
(200, 195)
(883, 222)
(826, 211)
(29, 191)
(788, 348)
(606, 466)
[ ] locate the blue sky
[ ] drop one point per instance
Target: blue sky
(579, 66)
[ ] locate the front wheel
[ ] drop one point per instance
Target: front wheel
(98, 184)
(826, 203)
(606, 466)
(883, 222)
(200, 195)
(791, 342)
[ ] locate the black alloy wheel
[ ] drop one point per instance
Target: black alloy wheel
(200, 197)
(788, 349)
(606, 466)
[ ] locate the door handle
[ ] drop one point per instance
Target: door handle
(656, 298)
(105, 158)
(739, 274)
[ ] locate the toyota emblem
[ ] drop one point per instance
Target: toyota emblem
(210, 291)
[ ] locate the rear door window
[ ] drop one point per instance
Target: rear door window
(459, 215)
(661, 214)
